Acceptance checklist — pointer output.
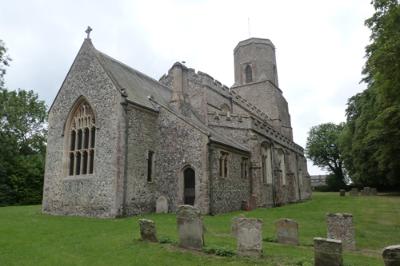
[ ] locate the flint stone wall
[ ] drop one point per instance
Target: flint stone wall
(227, 193)
(96, 194)
(340, 227)
(327, 252)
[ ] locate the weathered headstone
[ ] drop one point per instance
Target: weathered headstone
(249, 237)
(190, 227)
(366, 191)
(148, 230)
(373, 191)
(340, 227)
(234, 224)
(391, 255)
(342, 192)
(354, 191)
(327, 252)
(162, 205)
(287, 231)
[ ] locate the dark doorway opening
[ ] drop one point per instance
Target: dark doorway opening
(189, 186)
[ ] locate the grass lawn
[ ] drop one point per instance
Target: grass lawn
(28, 237)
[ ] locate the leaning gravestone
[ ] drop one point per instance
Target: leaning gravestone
(327, 252)
(190, 227)
(342, 192)
(391, 255)
(354, 191)
(287, 231)
(249, 237)
(162, 205)
(148, 230)
(340, 227)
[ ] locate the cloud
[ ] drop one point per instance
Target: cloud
(320, 44)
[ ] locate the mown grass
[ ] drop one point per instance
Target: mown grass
(28, 237)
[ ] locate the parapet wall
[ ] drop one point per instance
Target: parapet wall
(260, 121)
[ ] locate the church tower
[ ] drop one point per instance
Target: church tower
(255, 61)
(256, 80)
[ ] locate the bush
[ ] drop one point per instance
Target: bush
(219, 251)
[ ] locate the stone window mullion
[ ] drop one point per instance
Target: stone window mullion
(81, 141)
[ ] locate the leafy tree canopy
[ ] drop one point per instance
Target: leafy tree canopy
(22, 143)
(4, 62)
(371, 139)
(323, 149)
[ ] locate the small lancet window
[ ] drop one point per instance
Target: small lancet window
(150, 158)
(82, 140)
(223, 164)
(248, 74)
(244, 167)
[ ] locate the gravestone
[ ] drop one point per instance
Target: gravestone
(148, 230)
(190, 227)
(354, 191)
(366, 191)
(391, 255)
(234, 224)
(342, 192)
(162, 205)
(249, 237)
(373, 191)
(327, 252)
(340, 227)
(287, 231)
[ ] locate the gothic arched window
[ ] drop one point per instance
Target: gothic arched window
(248, 73)
(82, 132)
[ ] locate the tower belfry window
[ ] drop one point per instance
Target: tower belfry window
(248, 74)
(81, 132)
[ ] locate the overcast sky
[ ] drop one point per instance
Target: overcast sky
(319, 44)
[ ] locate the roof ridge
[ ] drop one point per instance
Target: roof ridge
(141, 74)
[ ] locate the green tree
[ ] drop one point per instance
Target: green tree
(371, 139)
(22, 146)
(22, 143)
(4, 62)
(323, 150)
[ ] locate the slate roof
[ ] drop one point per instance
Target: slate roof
(139, 86)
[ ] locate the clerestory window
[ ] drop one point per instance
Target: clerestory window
(82, 136)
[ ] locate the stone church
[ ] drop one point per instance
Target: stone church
(118, 139)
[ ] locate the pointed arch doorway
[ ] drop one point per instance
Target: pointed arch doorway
(189, 186)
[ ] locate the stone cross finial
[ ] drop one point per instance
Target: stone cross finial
(88, 30)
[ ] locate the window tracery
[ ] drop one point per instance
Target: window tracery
(82, 133)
